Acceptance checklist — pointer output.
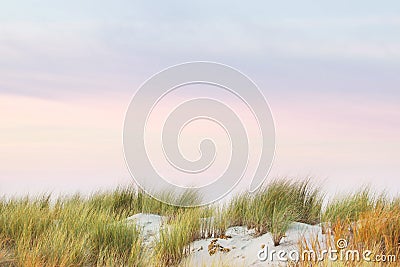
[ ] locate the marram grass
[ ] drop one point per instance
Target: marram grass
(69, 232)
(273, 207)
(366, 221)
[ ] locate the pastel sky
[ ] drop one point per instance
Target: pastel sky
(330, 72)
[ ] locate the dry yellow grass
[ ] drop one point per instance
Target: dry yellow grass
(366, 224)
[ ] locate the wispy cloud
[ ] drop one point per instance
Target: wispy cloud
(53, 57)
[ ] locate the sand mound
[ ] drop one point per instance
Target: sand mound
(239, 246)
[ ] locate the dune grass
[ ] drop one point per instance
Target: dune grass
(91, 231)
(69, 232)
(367, 221)
(176, 237)
(185, 227)
(350, 206)
(274, 207)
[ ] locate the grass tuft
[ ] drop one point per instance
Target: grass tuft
(275, 206)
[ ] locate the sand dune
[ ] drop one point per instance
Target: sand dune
(240, 247)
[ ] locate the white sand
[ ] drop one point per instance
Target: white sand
(244, 247)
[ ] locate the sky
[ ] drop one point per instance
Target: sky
(330, 72)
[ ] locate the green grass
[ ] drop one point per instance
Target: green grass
(185, 227)
(175, 237)
(350, 206)
(275, 206)
(90, 231)
(71, 232)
